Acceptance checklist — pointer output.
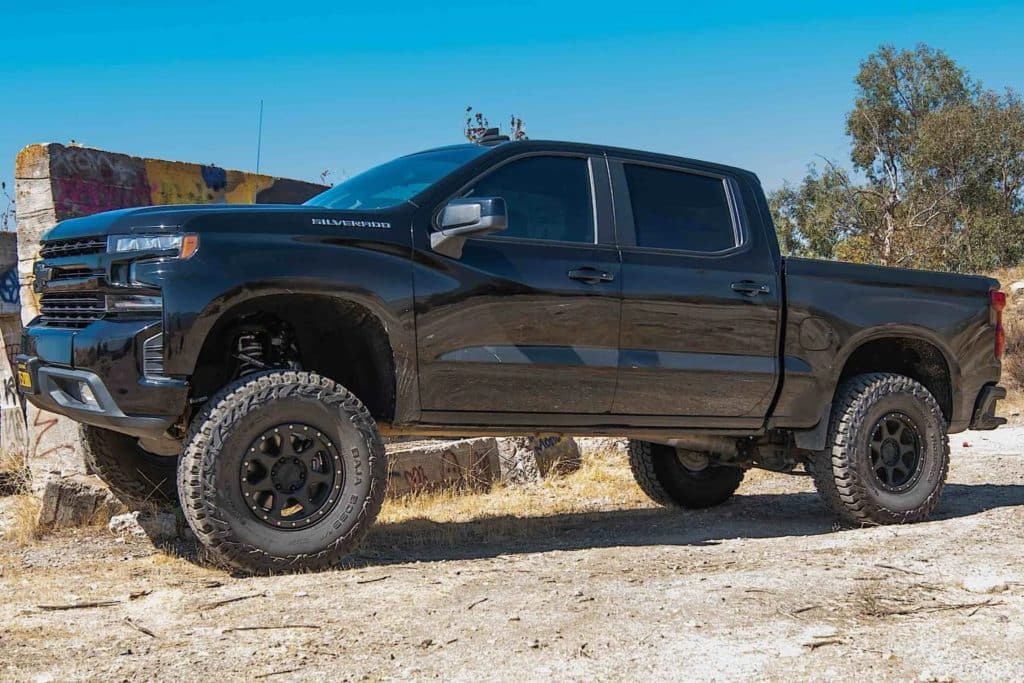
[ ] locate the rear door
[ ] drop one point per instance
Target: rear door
(527, 320)
(701, 305)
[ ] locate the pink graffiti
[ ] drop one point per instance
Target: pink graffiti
(79, 197)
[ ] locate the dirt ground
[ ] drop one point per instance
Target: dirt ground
(609, 589)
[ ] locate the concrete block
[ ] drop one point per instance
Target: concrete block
(418, 466)
(76, 501)
(157, 526)
(557, 456)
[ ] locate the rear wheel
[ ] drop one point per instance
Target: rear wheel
(134, 475)
(679, 478)
(888, 452)
(282, 471)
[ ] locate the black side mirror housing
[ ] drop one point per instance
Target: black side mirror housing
(467, 217)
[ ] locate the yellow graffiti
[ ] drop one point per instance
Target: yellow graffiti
(175, 182)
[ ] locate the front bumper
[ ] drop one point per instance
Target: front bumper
(104, 357)
(984, 415)
(59, 390)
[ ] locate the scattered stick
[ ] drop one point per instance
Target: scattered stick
(899, 569)
(278, 673)
(474, 604)
(135, 595)
(228, 601)
(815, 644)
(139, 628)
(79, 605)
(379, 578)
(801, 610)
(937, 608)
(269, 628)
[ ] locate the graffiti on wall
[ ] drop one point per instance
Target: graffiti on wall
(87, 181)
(9, 288)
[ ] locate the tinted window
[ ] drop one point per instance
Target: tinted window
(548, 198)
(678, 210)
(392, 183)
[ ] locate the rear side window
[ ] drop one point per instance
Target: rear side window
(548, 198)
(679, 210)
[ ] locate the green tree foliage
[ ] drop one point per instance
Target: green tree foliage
(937, 173)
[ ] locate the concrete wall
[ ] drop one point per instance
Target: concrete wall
(12, 417)
(54, 182)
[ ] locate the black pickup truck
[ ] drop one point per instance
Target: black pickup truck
(245, 360)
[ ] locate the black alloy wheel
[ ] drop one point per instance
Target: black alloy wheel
(895, 452)
(291, 476)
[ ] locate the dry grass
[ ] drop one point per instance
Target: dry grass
(14, 474)
(448, 518)
(603, 482)
(24, 528)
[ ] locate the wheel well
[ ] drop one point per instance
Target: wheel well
(333, 337)
(913, 358)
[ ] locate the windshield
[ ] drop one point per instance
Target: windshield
(396, 181)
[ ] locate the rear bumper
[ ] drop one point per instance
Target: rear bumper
(984, 415)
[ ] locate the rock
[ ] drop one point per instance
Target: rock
(517, 460)
(981, 583)
(528, 459)
(1017, 287)
(78, 500)
(157, 526)
(558, 455)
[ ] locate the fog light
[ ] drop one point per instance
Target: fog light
(86, 395)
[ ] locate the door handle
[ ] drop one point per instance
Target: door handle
(590, 275)
(750, 288)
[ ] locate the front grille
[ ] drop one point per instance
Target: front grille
(70, 310)
(75, 273)
(77, 247)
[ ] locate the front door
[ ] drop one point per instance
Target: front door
(526, 320)
(701, 300)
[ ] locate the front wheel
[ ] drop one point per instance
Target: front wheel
(679, 478)
(887, 452)
(282, 471)
(135, 476)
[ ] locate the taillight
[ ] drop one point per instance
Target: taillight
(997, 302)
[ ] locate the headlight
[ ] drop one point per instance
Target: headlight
(183, 246)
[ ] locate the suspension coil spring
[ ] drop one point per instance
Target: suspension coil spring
(250, 354)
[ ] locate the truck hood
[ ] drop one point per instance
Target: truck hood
(221, 218)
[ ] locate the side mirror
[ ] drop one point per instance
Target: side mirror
(465, 218)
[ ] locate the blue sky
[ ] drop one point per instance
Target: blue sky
(346, 87)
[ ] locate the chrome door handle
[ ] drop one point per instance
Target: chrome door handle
(590, 275)
(750, 288)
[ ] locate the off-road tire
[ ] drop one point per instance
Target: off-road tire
(135, 476)
(842, 473)
(208, 474)
(667, 482)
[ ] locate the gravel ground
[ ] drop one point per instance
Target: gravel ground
(762, 586)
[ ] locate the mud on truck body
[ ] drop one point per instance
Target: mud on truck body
(243, 361)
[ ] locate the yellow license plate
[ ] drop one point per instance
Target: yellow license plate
(24, 378)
